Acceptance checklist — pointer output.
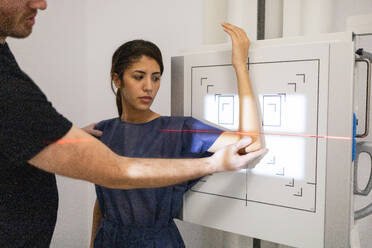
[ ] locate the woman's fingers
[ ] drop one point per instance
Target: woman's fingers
(232, 32)
(237, 34)
(240, 43)
(236, 30)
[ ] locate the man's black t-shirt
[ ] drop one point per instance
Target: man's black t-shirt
(28, 123)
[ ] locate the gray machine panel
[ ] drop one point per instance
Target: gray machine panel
(305, 96)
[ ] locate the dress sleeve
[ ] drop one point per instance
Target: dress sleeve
(28, 122)
(198, 137)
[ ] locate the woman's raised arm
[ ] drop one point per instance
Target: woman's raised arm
(249, 121)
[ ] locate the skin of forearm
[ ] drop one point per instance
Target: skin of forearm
(248, 116)
(81, 156)
(145, 173)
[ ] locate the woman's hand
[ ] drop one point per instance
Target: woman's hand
(240, 44)
(90, 129)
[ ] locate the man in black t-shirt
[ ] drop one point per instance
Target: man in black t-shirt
(36, 142)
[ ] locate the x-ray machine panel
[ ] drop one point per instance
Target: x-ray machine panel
(304, 89)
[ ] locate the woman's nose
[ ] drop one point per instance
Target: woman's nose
(148, 85)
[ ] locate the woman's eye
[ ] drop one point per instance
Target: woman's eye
(156, 79)
(138, 77)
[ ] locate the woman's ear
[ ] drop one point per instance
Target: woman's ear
(116, 80)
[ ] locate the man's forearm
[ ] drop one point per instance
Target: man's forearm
(145, 173)
(79, 155)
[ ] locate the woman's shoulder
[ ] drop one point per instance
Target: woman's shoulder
(106, 123)
(176, 119)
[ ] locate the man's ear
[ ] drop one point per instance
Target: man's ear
(116, 80)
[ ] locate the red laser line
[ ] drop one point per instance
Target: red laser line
(69, 141)
(264, 133)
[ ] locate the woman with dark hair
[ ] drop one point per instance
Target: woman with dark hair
(143, 218)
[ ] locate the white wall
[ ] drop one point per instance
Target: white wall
(69, 54)
(345, 8)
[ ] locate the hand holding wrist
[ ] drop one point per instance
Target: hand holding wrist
(230, 158)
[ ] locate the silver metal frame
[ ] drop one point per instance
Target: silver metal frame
(368, 96)
(339, 186)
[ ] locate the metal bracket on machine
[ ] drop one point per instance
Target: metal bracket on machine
(365, 147)
(366, 57)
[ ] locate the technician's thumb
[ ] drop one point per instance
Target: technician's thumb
(254, 158)
(243, 143)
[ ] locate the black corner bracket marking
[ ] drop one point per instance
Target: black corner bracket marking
(284, 95)
(295, 86)
(272, 161)
(209, 85)
(281, 173)
(291, 183)
(201, 80)
(274, 105)
(223, 105)
(299, 193)
(303, 75)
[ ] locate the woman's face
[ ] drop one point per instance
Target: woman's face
(141, 82)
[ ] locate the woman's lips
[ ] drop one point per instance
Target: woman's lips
(146, 99)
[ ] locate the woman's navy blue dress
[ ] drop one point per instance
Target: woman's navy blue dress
(143, 218)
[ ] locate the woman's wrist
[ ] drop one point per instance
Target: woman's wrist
(240, 66)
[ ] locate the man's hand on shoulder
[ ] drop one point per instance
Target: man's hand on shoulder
(90, 129)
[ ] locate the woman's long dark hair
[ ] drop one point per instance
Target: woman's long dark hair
(126, 55)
